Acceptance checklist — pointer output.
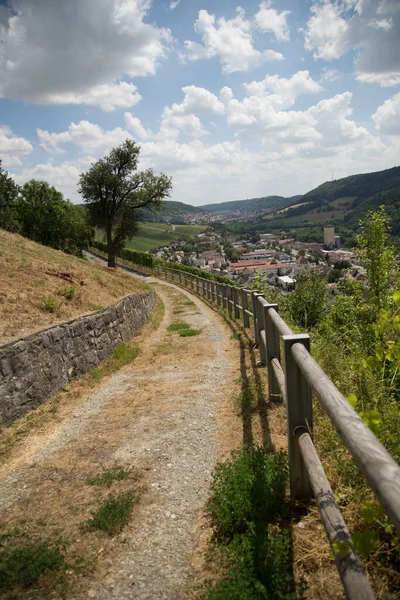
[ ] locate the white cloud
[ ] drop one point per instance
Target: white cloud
(174, 4)
(369, 27)
(88, 137)
(58, 52)
(183, 118)
(269, 19)
(228, 39)
(285, 91)
(135, 125)
(12, 148)
(327, 32)
(108, 97)
(329, 74)
(63, 177)
(387, 116)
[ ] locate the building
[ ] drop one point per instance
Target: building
(287, 283)
(329, 237)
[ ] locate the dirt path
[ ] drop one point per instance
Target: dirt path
(155, 417)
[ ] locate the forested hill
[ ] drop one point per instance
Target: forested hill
(347, 200)
(252, 205)
(171, 210)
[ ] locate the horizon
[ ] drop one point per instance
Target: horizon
(267, 97)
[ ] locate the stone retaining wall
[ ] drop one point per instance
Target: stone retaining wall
(35, 367)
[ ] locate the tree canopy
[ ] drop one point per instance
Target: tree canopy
(115, 191)
(8, 195)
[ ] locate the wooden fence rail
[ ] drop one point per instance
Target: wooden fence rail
(293, 384)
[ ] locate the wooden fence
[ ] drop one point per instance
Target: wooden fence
(293, 384)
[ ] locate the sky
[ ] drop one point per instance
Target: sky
(232, 99)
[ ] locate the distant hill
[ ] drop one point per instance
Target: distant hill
(345, 201)
(171, 211)
(252, 205)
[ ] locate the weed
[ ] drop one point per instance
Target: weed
(96, 306)
(256, 568)
(164, 347)
(158, 314)
(70, 292)
(113, 514)
(247, 496)
(95, 375)
(108, 476)
(39, 282)
(50, 303)
(178, 312)
(189, 332)
(23, 562)
(123, 355)
(188, 303)
(178, 326)
(236, 336)
(248, 488)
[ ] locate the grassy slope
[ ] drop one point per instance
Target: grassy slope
(153, 235)
(28, 276)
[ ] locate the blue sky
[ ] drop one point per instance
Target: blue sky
(232, 99)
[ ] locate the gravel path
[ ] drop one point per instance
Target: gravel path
(157, 415)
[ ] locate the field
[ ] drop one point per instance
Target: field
(153, 235)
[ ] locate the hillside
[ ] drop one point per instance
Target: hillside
(171, 211)
(252, 205)
(40, 287)
(345, 201)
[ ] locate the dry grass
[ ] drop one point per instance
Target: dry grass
(40, 286)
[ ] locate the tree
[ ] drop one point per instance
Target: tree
(115, 192)
(45, 217)
(377, 256)
(8, 195)
(307, 303)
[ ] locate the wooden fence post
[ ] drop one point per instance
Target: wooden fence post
(273, 350)
(218, 286)
(254, 296)
(236, 302)
(229, 298)
(299, 411)
(245, 306)
(223, 292)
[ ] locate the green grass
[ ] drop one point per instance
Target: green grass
(122, 356)
(113, 514)
(178, 326)
(154, 235)
(158, 314)
(189, 332)
(23, 560)
(108, 476)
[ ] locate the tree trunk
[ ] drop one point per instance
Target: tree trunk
(111, 251)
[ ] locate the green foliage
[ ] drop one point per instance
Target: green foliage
(24, 560)
(113, 514)
(178, 326)
(246, 502)
(377, 256)
(307, 304)
(70, 293)
(50, 303)
(250, 488)
(141, 259)
(45, 217)
(189, 332)
(8, 196)
(108, 476)
(115, 192)
(245, 578)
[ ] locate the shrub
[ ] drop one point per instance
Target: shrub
(250, 488)
(50, 303)
(189, 332)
